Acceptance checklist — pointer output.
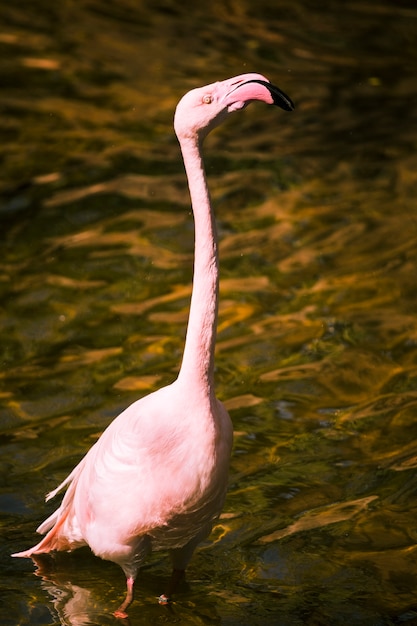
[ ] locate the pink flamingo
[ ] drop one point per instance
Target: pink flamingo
(157, 476)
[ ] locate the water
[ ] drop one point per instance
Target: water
(317, 345)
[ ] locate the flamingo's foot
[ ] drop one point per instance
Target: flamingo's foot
(120, 614)
(163, 599)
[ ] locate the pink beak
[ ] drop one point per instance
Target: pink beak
(256, 87)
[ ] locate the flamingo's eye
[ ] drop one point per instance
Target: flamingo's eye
(207, 99)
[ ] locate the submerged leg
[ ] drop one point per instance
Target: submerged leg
(121, 611)
(176, 577)
(180, 558)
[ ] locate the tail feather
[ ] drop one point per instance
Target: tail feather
(55, 539)
(65, 482)
(52, 541)
(49, 522)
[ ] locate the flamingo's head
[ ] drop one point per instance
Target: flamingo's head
(204, 108)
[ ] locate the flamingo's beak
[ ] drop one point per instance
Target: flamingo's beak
(257, 89)
(278, 96)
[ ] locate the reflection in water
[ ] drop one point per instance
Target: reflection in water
(72, 604)
(317, 346)
(76, 601)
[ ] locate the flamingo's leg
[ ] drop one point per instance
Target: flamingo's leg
(176, 577)
(121, 611)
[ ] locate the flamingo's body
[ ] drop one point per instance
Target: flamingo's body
(157, 476)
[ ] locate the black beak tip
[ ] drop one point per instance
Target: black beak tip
(288, 105)
(281, 99)
(278, 96)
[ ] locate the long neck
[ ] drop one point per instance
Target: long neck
(198, 359)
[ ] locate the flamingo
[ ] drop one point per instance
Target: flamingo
(156, 478)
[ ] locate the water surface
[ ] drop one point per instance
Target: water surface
(317, 344)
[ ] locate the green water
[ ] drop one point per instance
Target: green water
(317, 344)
